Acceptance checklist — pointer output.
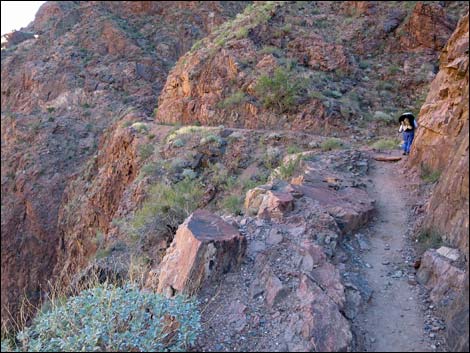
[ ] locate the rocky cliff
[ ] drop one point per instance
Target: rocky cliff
(78, 69)
(441, 146)
(442, 141)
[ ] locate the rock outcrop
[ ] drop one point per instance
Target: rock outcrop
(441, 143)
(440, 276)
(204, 248)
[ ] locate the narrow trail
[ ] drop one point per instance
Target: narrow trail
(392, 320)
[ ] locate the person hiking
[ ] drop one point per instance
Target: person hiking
(408, 126)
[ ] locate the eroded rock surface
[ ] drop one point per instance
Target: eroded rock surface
(204, 248)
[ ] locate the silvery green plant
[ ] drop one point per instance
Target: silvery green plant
(110, 318)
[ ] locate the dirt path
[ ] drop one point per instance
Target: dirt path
(393, 320)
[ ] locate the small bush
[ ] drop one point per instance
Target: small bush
(211, 139)
(235, 99)
(287, 170)
(241, 33)
(109, 318)
(50, 109)
(428, 175)
(178, 143)
(383, 117)
(232, 204)
(189, 173)
(140, 127)
(429, 238)
(333, 94)
(280, 91)
(293, 149)
(331, 144)
(145, 151)
(167, 206)
(271, 50)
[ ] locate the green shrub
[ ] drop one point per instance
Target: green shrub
(211, 138)
(429, 238)
(233, 204)
(140, 127)
(386, 144)
(280, 91)
(167, 206)
(429, 175)
(287, 170)
(109, 318)
(333, 94)
(383, 117)
(145, 151)
(331, 144)
(241, 33)
(293, 149)
(178, 143)
(50, 109)
(267, 49)
(235, 99)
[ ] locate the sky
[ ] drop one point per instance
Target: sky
(17, 14)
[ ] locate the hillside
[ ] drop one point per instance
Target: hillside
(226, 150)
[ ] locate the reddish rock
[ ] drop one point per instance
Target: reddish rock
(276, 205)
(428, 27)
(442, 141)
(440, 276)
(275, 291)
(321, 323)
(204, 248)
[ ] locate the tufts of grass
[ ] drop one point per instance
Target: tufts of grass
(429, 238)
(429, 175)
(386, 144)
(331, 144)
(233, 100)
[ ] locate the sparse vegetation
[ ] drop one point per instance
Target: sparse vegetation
(383, 117)
(235, 99)
(287, 170)
(386, 144)
(140, 127)
(429, 175)
(331, 144)
(145, 151)
(429, 238)
(280, 91)
(167, 206)
(233, 204)
(110, 318)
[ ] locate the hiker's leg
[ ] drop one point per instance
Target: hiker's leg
(404, 142)
(412, 136)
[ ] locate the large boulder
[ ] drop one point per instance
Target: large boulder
(205, 246)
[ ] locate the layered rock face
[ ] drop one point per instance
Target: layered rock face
(441, 142)
(76, 71)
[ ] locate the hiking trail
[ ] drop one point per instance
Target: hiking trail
(393, 319)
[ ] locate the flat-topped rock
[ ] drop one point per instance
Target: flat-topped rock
(204, 247)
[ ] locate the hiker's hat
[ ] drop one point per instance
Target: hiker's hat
(406, 115)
